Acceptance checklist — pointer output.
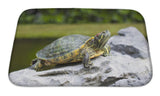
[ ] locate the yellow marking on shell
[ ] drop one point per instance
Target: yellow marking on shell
(68, 56)
(82, 46)
(89, 40)
(75, 53)
(60, 58)
(39, 65)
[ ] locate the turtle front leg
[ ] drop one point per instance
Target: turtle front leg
(106, 50)
(86, 60)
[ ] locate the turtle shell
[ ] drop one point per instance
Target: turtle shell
(62, 46)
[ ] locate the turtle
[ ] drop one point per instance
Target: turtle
(72, 48)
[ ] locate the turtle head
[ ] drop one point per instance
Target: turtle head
(101, 39)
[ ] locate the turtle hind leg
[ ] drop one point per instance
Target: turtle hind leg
(40, 65)
(86, 60)
(45, 65)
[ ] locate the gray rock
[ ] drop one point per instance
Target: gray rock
(127, 65)
(131, 42)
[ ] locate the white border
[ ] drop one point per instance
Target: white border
(10, 11)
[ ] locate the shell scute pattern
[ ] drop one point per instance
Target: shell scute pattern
(62, 46)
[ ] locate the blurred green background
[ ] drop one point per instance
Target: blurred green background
(70, 16)
(38, 27)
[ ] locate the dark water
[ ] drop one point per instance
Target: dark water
(24, 51)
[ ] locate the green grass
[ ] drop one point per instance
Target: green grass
(59, 30)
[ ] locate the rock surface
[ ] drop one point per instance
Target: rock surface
(131, 42)
(129, 64)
